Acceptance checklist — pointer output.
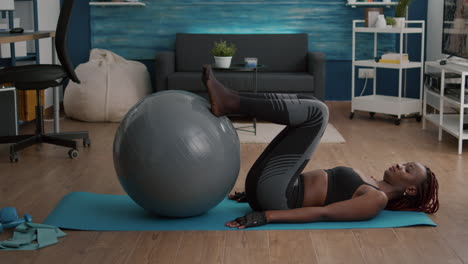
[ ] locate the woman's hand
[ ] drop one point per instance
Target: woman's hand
(249, 220)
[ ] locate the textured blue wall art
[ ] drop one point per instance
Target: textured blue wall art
(140, 32)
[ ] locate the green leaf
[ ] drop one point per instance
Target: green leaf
(223, 49)
(400, 9)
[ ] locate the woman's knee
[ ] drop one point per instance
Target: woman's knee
(318, 110)
(324, 109)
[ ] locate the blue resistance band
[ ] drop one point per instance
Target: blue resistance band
(31, 236)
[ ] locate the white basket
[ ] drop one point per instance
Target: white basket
(223, 62)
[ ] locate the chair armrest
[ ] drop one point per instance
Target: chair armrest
(165, 65)
(316, 66)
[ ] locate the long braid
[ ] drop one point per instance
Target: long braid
(426, 200)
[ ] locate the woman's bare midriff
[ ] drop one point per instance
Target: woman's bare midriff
(316, 187)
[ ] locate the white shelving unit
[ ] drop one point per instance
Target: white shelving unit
(451, 123)
(393, 105)
(117, 4)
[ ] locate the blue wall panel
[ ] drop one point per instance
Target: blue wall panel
(140, 32)
(151, 21)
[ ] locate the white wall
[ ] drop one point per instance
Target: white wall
(435, 12)
(47, 13)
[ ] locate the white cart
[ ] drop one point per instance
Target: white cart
(394, 105)
(450, 122)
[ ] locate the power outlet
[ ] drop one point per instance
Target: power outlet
(366, 73)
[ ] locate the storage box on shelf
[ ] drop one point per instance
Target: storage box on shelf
(375, 103)
(7, 5)
(441, 99)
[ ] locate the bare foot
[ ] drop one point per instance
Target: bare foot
(223, 101)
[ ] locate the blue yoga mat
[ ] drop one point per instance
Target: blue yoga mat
(102, 212)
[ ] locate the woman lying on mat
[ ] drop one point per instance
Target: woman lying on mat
(278, 191)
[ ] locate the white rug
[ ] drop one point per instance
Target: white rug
(267, 131)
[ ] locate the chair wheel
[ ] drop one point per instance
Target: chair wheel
(418, 118)
(86, 142)
(14, 157)
(351, 115)
(398, 122)
(73, 153)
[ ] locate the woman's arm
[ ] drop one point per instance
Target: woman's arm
(363, 207)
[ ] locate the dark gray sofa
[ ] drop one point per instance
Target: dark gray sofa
(290, 66)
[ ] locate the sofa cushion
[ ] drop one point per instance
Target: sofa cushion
(280, 52)
(297, 82)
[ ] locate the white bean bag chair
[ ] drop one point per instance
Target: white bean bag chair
(110, 86)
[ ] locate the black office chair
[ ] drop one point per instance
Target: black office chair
(40, 77)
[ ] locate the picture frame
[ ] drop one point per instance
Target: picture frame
(372, 13)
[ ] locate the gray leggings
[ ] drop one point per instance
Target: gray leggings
(274, 182)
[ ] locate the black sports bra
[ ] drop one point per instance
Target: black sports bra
(342, 183)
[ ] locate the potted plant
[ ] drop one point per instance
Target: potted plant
(400, 12)
(223, 52)
(390, 21)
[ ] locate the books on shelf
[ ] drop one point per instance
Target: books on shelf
(394, 58)
(393, 61)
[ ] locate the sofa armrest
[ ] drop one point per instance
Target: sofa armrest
(165, 65)
(316, 66)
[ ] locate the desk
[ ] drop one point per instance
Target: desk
(7, 37)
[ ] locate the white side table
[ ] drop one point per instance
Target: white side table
(451, 123)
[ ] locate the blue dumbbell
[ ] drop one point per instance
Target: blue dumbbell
(26, 219)
(8, 214)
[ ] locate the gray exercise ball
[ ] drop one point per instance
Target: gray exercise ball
(174, 157)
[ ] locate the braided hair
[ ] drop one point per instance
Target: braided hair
(426, 200)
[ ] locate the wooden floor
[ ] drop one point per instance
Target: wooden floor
(45, 174)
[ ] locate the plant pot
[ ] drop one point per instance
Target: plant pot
(223, 62)
(400, 22)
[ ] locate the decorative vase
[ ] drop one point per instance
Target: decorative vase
(400, 22)
(223, 62)
(381, 22)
